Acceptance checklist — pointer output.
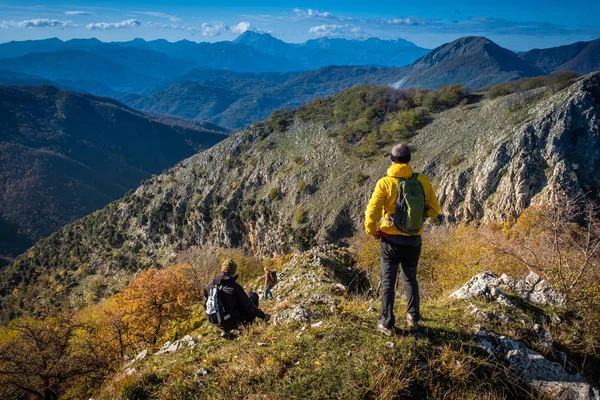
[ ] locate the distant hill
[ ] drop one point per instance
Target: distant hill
(188, 100)
(11, 78)
(64, 155)
(233, 100)
(472, 61)
(580, 57)
(76, 65)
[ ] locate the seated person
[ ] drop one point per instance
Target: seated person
(230, 307)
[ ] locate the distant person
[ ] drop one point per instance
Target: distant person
(227, 304)
(270, 281)
(397, 221)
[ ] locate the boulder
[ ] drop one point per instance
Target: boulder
(532, 289)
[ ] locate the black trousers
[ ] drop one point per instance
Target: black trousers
(394, 256)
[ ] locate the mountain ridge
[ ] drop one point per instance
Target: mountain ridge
(580, 57)
(473, 61)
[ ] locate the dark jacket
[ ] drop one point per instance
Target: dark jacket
(235, 301)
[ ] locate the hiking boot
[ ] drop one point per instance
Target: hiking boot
(384, 330)
(411, 321)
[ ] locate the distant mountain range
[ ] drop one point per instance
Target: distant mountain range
(233, 99)
(131, 66)
(317, 53)
(64, 155)
(235, 83)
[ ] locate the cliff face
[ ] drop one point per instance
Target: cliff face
(274, 193)
(557, 142)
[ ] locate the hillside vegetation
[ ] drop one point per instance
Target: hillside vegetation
(362, 120)
(322, 342)
(303, 177)
(64, 155)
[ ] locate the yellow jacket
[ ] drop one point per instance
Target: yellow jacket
(383, 200)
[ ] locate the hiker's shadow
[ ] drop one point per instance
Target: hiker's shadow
(438, 336)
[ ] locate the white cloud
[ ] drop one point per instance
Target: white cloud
(205, 29)
(336, 30)
(213, 30)
(311, 13)
(242, 27)
(38, 23)
(130, 23)
(170, 17)
(397, 21)
(78, 13)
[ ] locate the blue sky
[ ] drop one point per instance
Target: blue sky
(518, 25)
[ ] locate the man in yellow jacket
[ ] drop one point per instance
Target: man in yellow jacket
(397, 248)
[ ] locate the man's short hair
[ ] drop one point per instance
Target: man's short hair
(400, 153)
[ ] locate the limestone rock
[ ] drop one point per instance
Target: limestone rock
(546, 377)
(482, 284)
(143, 354)
(168, 347)
(532, 289)
(539, 291)
(300, 314)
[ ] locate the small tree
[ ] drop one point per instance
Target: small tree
(153, 300)
(42, 358)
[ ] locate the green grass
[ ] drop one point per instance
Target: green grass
(345, 357)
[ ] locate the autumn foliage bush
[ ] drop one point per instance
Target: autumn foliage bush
(449, 257)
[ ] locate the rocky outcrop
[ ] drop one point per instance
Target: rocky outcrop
(532, 289)
(310, 282)
(545, 377)
(168, 347)
(557, 144)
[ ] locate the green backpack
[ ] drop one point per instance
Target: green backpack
(410, 206)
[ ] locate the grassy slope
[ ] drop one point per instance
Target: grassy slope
(344, 357)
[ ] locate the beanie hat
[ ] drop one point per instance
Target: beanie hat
(229, 267)
(400, 153)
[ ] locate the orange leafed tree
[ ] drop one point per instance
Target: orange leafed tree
(144, 310)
